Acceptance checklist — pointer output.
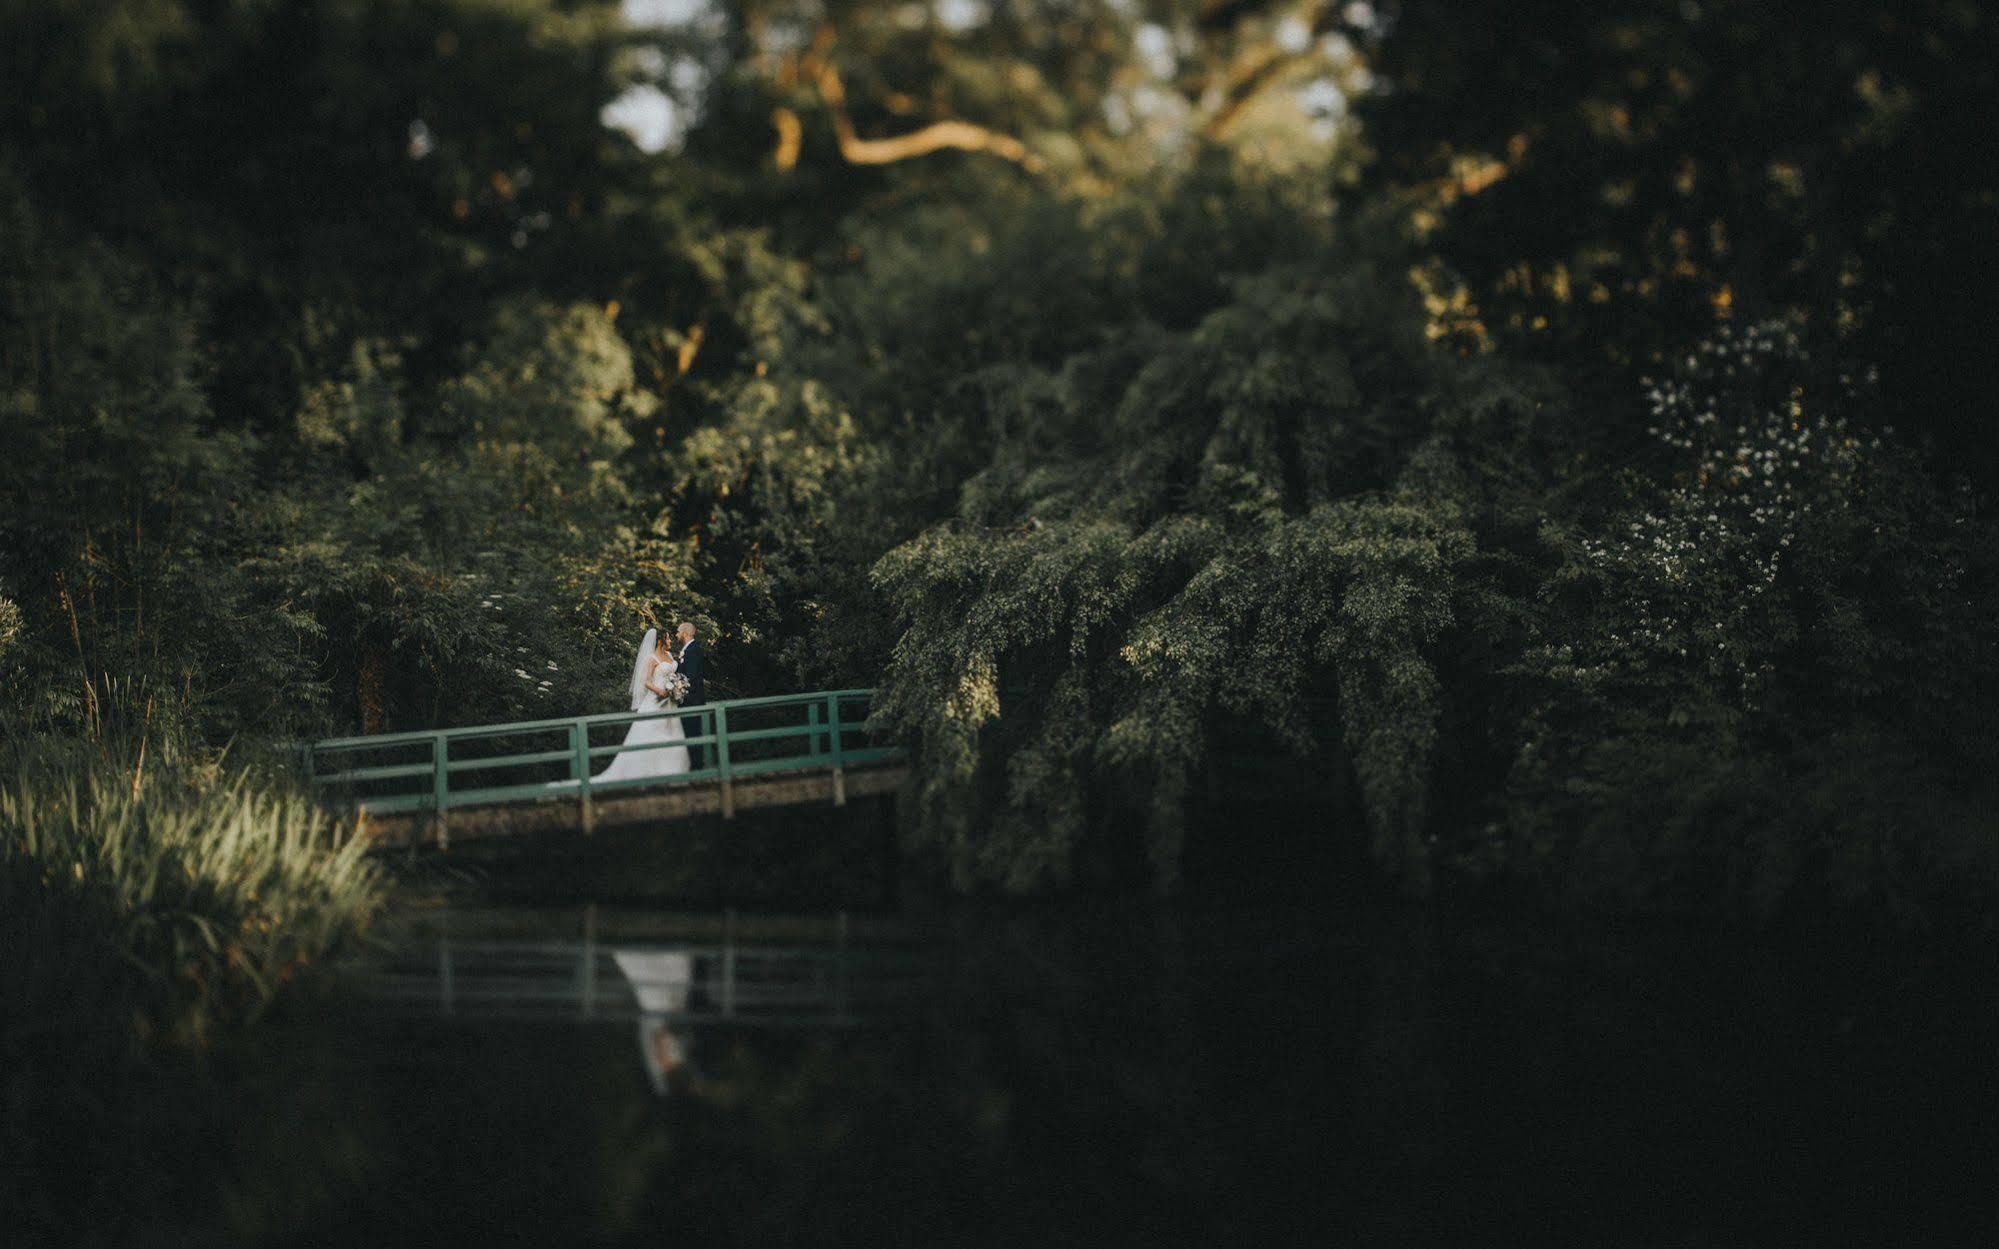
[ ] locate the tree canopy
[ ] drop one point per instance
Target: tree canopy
(1536, 444)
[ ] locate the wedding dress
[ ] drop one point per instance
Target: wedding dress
(629, 764)
(662, 761)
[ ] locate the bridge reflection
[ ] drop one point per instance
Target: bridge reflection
(676, 990)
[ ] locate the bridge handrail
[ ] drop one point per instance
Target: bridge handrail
(594, 719)
(824, 732)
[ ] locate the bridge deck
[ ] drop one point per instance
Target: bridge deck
(629, 808)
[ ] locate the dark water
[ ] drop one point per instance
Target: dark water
(1297, 1072)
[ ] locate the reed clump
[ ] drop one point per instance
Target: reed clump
(154, 901)
(140, 907)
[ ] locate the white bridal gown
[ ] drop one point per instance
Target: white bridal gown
(632, 765)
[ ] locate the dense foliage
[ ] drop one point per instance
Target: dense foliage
(1516, 440)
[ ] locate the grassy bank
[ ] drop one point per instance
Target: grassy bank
(147, 914)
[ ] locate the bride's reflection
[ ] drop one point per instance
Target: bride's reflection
(668, 985)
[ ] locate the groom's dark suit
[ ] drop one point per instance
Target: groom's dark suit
(693, 661)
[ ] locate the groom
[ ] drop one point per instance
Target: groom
(693, 659)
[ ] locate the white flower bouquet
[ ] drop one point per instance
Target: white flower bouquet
(676, 687)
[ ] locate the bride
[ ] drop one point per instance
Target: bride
(651, 691)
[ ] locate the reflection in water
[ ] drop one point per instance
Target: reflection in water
(665, 984)
(673, 989)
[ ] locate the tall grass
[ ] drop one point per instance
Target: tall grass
(162, 902)
(152, 903)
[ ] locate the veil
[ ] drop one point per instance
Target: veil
(639, 667)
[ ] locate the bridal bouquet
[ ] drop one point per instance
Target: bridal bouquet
(675, 686)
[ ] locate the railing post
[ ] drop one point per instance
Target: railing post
(812, 721)
(722, 760)
(579, 769)
(839, 768)
(440, 787)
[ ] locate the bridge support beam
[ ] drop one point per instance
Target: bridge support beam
(839, 787)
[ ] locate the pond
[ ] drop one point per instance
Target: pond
(1306, 1070)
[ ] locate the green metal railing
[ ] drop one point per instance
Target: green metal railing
(744, 737)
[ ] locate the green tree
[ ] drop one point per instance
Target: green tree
(1611, 180)
(1771, 672)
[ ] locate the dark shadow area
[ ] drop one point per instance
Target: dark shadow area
(1121, 1073)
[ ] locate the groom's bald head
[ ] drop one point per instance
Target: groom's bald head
(686, 631)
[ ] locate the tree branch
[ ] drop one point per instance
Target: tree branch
(1244, 86)
(790, 137)
(938, 136)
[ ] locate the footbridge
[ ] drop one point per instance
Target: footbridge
(496, 780)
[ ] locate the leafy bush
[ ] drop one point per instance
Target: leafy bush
(10, 626)
(1768, 678)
